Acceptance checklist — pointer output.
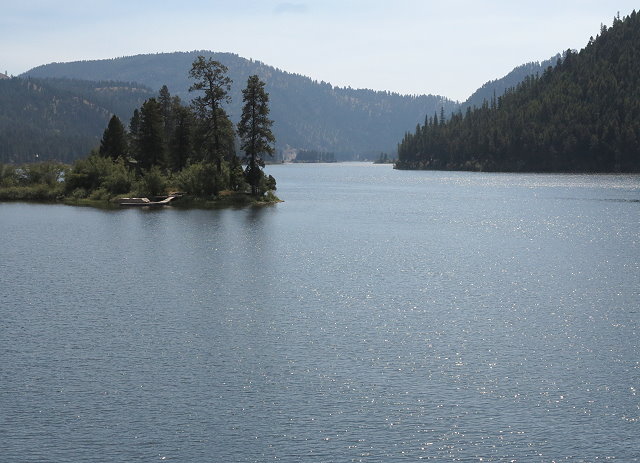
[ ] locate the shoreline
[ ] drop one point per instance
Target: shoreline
(226, 199)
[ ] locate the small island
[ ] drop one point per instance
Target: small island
(170, 150)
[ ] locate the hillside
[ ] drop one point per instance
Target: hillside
(498, 87)
(58, 119)
(583, 115)
(308, 114)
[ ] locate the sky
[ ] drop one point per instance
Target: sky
(447, 48)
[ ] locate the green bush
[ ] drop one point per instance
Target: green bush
(237, 181)
(100, 194)
(202, 179)
(270, 182)
(43, 173)
(270, 197)
(119, 180)
(79, 193)
(8, 175)
(40, 192)
(152, 183)
(263, 182)
(88, 173)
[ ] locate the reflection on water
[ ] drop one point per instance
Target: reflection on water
(375, 315)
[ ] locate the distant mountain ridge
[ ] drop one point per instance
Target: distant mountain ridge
(496, 88)
(310, 115)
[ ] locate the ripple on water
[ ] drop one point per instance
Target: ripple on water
(376, 315)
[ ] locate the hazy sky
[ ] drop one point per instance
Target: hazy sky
(448, 48)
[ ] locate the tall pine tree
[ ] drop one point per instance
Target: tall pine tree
(255, 131)
(217, 130)
(114, 140)
(151, 144)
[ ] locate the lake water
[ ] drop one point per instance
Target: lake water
(376, 315)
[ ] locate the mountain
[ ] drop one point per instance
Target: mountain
(308, 115)
(58, 118)
(498, 87)
(583, 115)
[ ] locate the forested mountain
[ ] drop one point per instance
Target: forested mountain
(583, 115)
(498, 87)
(59, 119)
(308, 115)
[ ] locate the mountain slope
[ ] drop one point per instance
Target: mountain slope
(308, 114)
(498, 87)
(581, 116)
(58, 119)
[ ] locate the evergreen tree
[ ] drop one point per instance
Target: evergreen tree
(114, 139)
(164, 100)
(181, 144)
(150, 137)
(217, 130)
(583, 115)
(167, 105)
(254, 130)
(134, 133)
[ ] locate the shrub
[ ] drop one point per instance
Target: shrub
(119, 180)
(79, 193)
(237, 181)
(202, 179)
(38, 192)
(8, 175)
(88, 173)
(262, 183)
(152, 183)
(43, 173)
(100, 194)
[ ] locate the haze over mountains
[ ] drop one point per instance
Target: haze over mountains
(308, 115)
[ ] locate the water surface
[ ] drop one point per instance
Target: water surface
(376, 315)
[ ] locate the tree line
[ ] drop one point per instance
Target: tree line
(309, 114)
(195, 144)
(583, 115)
(167, 145)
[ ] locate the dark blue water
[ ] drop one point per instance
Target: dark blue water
(376, 316)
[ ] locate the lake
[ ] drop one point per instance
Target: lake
(376, 315)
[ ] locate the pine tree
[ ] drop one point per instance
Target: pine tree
(211, 78)
(114, 140)
(181, 144)
(583, 116)
(165, 102)
(150, 138)
(254, 130)
(134, 133)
